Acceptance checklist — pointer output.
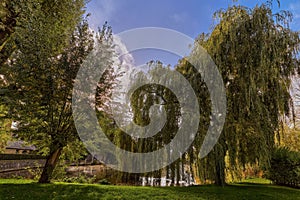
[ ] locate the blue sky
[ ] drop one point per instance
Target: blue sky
(190, 17)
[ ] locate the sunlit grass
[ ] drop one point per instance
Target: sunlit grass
(257, 181)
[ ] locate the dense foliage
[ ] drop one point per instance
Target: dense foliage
(255, 52)
(285, 167)
(256, 55)
(48, 48)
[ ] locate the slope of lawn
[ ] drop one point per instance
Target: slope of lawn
(255, 189)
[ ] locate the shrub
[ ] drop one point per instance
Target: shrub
(79, 179)
(285, 167)
(104, 182)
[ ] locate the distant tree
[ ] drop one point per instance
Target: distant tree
(290, 130)
(290, 138)
(5, 126)
(294, 118)
(136, 109)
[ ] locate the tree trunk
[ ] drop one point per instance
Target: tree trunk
(220, 174)
(177, 172)
(50, 166)
(220, 166)
(173, 174)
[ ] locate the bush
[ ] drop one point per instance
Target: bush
(104, 182)
(285, 167)
(79, 179)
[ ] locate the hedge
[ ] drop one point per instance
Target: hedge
(285, 167)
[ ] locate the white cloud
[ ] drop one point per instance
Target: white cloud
(125, 59)
(101, 11)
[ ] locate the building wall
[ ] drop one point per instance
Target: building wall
(24, 168)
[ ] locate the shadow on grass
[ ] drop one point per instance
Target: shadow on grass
(240, 191)
(49, 191)
(57, 191)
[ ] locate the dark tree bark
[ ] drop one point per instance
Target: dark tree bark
(220, 174)
(220, 166)
(173, 174)
(50, 166)
(177, 172)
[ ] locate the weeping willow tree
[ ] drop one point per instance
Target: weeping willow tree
(140, 103)
(255, 51)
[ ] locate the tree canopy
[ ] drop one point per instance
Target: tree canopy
(256, 53)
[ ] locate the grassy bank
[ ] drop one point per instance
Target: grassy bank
(253, 189)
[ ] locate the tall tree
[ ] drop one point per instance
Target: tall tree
(255, 52)
(39, 96)
(39, 73)
(39, 93)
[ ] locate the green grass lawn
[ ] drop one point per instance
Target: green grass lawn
(251, 189)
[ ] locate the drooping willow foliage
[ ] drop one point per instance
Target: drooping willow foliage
(141, 102)
(256, 54)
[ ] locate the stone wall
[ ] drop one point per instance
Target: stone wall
(20, 168)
